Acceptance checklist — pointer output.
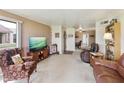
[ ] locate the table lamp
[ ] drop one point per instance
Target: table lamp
(108, 38)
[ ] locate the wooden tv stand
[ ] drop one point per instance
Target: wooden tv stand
(39, 55)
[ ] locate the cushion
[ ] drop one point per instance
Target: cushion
(108, 64)
(121, 70)
(17, 59)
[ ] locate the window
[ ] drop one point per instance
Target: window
(8, 34)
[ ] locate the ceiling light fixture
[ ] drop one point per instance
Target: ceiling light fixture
(80, 29)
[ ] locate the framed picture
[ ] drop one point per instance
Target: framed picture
(53, 49)
(56, 35)
(70, 35)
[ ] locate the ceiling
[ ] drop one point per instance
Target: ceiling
(67, 17)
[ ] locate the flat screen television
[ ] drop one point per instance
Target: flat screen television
(37, 43)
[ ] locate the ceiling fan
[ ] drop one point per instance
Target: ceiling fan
(80, 29)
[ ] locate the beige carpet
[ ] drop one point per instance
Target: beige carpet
(61, 69)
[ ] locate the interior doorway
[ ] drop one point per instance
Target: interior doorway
(64, 37)
(84, 39)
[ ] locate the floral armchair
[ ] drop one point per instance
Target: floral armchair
(13, 71)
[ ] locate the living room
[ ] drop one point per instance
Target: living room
(76, 42)
(31, 27)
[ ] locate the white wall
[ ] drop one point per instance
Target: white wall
(70, 41)
(100, 30)
(58, 41)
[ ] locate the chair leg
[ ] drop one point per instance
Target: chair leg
(4, 81)
(28, 79)
(35, 69)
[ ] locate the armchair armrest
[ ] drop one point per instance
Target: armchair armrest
(27, 58)
(17, 67)
(107, 63)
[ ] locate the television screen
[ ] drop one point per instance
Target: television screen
(37, 43)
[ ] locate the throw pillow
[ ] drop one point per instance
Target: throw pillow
(17, 59)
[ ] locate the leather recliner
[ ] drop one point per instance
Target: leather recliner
(106, 71)
(85, 54)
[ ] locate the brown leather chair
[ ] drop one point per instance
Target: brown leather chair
(108, 71)
(78, 44)
(94, 47)
(85, 54)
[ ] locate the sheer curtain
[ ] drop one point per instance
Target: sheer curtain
(85, 40)
(19, 35)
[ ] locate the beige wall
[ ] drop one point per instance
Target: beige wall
(30, 28)
(91, 37)
(80, 36)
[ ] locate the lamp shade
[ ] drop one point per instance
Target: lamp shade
(108, 36)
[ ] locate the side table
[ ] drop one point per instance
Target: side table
(95, 55)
